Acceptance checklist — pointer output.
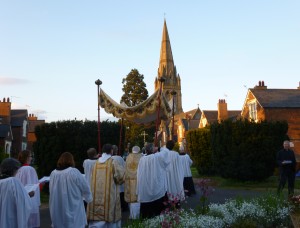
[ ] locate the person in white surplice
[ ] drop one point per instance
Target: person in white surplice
(151, 181)
(175, 175)
(67, 189)
(88, 164)
(186, 163)
(28, 176)
(15, 204)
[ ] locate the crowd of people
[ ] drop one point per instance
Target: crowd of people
(143, 183)
(110, 184)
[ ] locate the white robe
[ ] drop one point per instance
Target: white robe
(27, 175)
(68, 188)
(121, 162)
(186, 165)
(15, 204)
(175, 175)
(88, 166)
(151, 177)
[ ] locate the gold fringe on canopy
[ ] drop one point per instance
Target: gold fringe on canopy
(144, 113)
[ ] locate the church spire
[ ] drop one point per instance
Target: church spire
(166, 63)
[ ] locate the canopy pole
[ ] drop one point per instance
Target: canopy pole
(98, 83)
(121, 131)
(161, 80)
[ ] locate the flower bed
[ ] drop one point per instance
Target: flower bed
(264, 211)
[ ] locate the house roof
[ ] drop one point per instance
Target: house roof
(34, 123)
(277, 98)
(193, 124)
(18, 116)
(4, 130)
(192, 113)
(210, 115)
(233, 114)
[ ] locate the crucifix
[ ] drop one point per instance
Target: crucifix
(144, 134)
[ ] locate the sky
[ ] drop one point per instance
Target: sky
(52, 52)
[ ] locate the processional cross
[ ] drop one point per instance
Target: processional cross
(144, 134)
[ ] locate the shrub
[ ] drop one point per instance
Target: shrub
(244, 150)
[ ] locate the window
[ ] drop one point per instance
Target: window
(252, 111)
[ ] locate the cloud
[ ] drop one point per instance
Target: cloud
(12, 81)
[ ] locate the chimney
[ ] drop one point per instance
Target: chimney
(261, 85)
(5, 107)
(222, 110)
(32, 117)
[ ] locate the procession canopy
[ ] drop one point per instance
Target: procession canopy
(144, 113)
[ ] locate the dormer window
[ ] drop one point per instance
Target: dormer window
(252, 111)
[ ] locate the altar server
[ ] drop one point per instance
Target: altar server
(15, 204)
(67, 189)
(28, 176)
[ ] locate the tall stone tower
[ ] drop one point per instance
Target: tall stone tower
(167, 69)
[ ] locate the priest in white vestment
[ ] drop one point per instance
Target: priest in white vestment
(105, 209)
(28, 176)
(175, 174)
(15, 203)
(151, 181)
(132, 163)
(68, 188)
(88, 164)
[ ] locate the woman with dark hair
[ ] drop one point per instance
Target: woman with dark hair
(28, 176)
(67, 189)
(15, 204)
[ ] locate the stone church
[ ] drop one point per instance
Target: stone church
(171, 88)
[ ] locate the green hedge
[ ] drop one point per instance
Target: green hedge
(73, 136)
(240, 150)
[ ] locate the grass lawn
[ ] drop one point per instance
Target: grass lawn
(270, 184)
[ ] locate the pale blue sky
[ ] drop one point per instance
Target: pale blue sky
(51, 52)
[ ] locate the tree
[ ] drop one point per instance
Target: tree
(135, 92)
(134, 89)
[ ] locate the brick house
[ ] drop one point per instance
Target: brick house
(262, 103)
(19, 127)
(185, 122)
(210, 116)
(33, 122)
(16, 128)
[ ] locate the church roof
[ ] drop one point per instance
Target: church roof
(277, 98)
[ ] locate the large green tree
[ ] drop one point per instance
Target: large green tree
(134, 88)
(135, 92)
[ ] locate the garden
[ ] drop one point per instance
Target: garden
(266, 210)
